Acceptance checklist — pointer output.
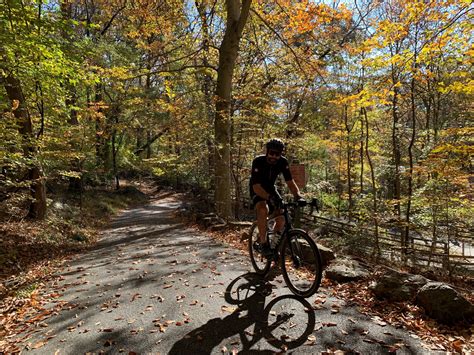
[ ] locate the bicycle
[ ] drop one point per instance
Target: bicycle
(299, 256)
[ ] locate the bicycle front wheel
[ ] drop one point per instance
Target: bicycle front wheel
(260, 263)
(301, 263)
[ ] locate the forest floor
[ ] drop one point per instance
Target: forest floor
(153, 283)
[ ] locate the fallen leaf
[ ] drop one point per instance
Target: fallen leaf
(228, 309)
(458, 345)
(379, 321)
(39, 345)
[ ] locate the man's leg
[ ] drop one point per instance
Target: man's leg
(262, 213)
(279, 223)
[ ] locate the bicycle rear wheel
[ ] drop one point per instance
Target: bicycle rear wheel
(301, 263)
(260, 263)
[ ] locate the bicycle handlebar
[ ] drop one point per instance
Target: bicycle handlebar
(315, 203)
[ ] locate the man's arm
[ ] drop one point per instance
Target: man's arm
(294, 189)
(260, 191)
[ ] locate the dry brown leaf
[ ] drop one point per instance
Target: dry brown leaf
(39, 344)
(311, 338)
(228, 309)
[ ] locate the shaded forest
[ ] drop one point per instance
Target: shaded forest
(373, 97)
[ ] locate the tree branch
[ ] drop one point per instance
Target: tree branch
(106, 27)
(151, 141)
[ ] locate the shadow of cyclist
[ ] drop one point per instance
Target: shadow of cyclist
(248, 292)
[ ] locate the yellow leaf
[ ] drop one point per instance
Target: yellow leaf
(15, 104)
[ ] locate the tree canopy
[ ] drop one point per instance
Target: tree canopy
(375, 98)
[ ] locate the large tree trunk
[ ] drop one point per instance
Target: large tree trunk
(237, 14)
(207, 84)
(37, 208)
(411, 144)
(375, 212)
(349, 162)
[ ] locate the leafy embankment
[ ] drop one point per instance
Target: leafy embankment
(30, 251)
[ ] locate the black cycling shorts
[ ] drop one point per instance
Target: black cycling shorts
(255, 199)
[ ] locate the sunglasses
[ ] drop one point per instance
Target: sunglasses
(274, 153)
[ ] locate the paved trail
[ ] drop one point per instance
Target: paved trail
(152, 285)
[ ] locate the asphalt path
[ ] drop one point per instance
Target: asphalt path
(154, 285)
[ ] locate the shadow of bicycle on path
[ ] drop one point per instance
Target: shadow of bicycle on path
(248, 294)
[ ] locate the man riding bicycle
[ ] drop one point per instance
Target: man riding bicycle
(265, 197)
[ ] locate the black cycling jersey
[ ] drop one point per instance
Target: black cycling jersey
(266, 174)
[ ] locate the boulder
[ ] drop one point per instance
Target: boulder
(327, 255)
(346, 270)
(445, 304)
(397, 286)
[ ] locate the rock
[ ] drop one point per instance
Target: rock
(327, 255)
(131, 191)
(346, 270)
(445, 304)
(58, 205)
(79, 237)
(397, 286)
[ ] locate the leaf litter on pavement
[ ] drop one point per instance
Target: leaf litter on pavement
(458, 338)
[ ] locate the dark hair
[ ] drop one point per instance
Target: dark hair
(275, 144)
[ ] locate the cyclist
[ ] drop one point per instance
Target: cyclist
(264, 195)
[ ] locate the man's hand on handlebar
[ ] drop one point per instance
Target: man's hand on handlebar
(301, 201)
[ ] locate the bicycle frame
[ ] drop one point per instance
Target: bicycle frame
(288, 225)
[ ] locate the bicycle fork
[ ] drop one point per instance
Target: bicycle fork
(295, 249)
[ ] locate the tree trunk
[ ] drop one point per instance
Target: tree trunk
(237, 14)
(349, 162)
(37, 209)
(374, 187)
(207, 86)
(410, 146)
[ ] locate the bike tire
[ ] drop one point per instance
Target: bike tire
(301, 264)
(260, 264)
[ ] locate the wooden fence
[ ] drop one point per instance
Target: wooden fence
(452, 251)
